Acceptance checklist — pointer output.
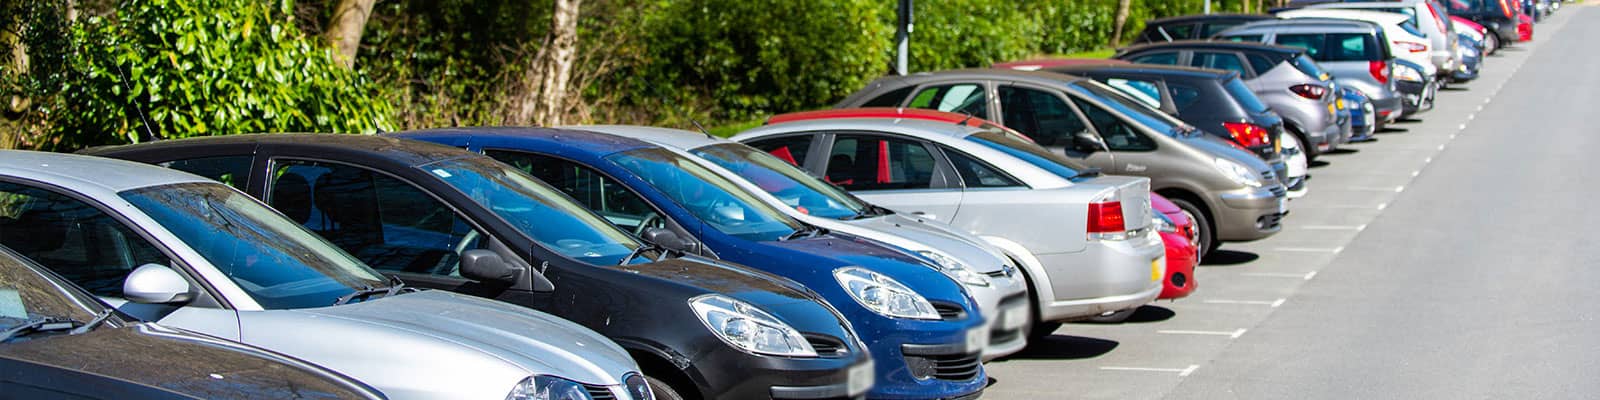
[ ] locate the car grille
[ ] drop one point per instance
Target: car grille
(1268, 175)
(599, 392)
(1269, 221)
(952, 367)
(827, 346)
(950, 312)
(1279, 191)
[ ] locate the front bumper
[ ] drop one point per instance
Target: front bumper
(946, 354)
(1004, 305)
(1250, 213)
(1108, 275)
(1418, 97)
(1181, 260)
(779, 377)
(1388, 108)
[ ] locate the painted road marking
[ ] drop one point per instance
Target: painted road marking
(1273, 304)
(1235, 334)
(1305, 276)
(1333, 227)
(1181, 372)
(1310, 249)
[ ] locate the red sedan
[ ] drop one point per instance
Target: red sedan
(1178, 232)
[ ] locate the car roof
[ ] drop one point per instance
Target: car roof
(1211, 44)
(985, 73)
(80, 172)
(1207, 17)
(1312, 24)
(1370, 15)
(670, 137)
(1045, 63)
(930, 127)
(574, 139)
(408, 152)
(879, 112)
(1153, 69)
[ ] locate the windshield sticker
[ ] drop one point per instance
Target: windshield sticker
(441, 173)
(11, 305)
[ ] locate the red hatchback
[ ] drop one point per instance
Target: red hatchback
(1178, 233)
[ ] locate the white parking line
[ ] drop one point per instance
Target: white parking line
(1333, 227)
(1181, 372)
(1310, 249)
(1373, 188)
(1235, 334)
(1305, 276)
(1274, 303)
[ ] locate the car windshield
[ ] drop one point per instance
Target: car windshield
(1246, 97)
(276, 261)
(804, 192)
(1030, 152)
(1144, 115)
(26, 294)
(536, 209)
(711, 198)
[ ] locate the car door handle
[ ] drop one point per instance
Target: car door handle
(1136, 167)
(924, 215)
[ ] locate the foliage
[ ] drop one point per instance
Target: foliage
(971, 33)
(39, 30)
(181, 68)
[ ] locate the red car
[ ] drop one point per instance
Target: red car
(1178, 232)
(1524, 28)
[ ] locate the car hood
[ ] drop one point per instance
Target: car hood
(835, 250)
(538, 342)
(1223, 148)
(744, 283)
(916, 234)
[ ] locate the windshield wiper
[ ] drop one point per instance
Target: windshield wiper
(638, 251)
(394, 286)
(93, 323)
(43, 324)
(805, 231)
(872, 211)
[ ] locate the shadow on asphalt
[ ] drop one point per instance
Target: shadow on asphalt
(1342, 150)
(1223, 258)
(1143, 314)
(1455, 88)
(1392, 129)
(1317, 164)
(1064, 347)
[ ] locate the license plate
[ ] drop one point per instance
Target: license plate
(1283, 205)
(977, 338)
(860, 379)
(1155, 269)
(1014, 318)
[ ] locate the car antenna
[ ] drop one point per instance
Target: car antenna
(702, 128)
(964, 120)
(140, 110)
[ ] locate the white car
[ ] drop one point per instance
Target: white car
(1430, 21)
(985, 272)
(184, 251)
(1405, 39)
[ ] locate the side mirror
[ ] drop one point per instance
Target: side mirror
(487, 266)
(667, 238)
(1088, 142)
(156, 284)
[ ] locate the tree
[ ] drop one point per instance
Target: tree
(344, 29)
(541, 94)
(1121, 21)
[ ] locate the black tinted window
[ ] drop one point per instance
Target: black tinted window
(1246, 97)
(1116, 133)
(1260, 64)
(1157, 58)
(890, 99)
(600, 194)
(1183, 95)
(791, 149)
(1242, 38)
(1312, 43)
(72, 238)
(230, 170)
(1226, 61)
(977, 174)
(1041, 115)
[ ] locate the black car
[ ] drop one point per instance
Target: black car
(58, 341)
(1193, 26)
(1215, 101)
(1500, 17)
(444, 218)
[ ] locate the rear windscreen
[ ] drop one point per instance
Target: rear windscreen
(1335, 46)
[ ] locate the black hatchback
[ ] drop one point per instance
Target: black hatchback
(444, 218)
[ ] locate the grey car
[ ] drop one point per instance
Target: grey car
(165, 246)
(984, 180)
(985, 272)
(1355, 52)
(1432, 18)
(1283, 77)
(1234, 193)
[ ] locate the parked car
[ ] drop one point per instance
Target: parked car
(169, 247)
(1501, 17)
(1431, 18)
(1417, 88)
(1189, 27)
(1472, 52)
(1283, 77)
(924, 333)
(1363, 117)
(1355, 52)
(1092, 255)
(1478, 33)
(58, 341)
(986, 273)
(1524, 28)
(1215, 101)
(448, 219)
(1405, 40)
(1182, 242)
(1092, 123)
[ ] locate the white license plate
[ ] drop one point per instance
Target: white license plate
(1014, 318)
(977, 338)
(1283, 204)
(860, 378)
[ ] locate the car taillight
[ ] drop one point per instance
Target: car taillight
(1413, 47)
(1314, 92)
(1105, 219)
(1247, 134)
(1379, 70)
(1505, 8)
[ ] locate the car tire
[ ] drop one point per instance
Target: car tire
(1492, 41)
(1202, 223)
(661, 390)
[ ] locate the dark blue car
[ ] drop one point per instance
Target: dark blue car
(923, 331)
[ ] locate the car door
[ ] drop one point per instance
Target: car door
(1047, 118)
(1133, 152)
(898, 172)
(83, 241)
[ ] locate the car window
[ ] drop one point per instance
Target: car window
(279, 264)
(791, 149)
(712, 198)
(1213, 60)
(978, 174)
(601, 194)
(1313, 43)
(862, 162)
(1180, 32)
(1147, 92)
(788, 183)
(1246, 97)
(1412, 29)
(1030, 152)
(1260, 64)
(387, 223)
(72, 238)
(230, 170)
(1150, 118)
(1309, 67)
(891, 99)
(27, 294)
(1117, 134)
(964, 98)
(1212, 29)
(1242, 38)
(1183, 95)
(1041, 115)
(1167, 58)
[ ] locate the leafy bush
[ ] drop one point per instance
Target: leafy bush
(182, 68)
(971, 33)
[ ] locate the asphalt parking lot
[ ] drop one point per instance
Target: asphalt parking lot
(1446, 258)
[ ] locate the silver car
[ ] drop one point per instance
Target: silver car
(1084, 241)
(1355, 52)
(985, 272)
(1429, 17)
(187, 252)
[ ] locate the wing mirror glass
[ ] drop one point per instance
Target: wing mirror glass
(156, 284)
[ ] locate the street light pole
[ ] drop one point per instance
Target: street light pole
(902, 38)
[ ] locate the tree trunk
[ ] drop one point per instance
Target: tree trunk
(1121, 21)
(344, 30)
(542, 92)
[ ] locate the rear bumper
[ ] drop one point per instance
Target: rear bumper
(1106, 276)
(1250, 214)
(1180, 280)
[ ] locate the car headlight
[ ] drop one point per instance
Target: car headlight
(749, 328)
(545, 387)
(955, 269)
(1163, 223)
(1235, 172)
(884, 295)
(1408, 74)
(637, 388)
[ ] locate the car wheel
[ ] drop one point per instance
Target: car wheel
(661, 390)
(1202, 224)
(1492, 42)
